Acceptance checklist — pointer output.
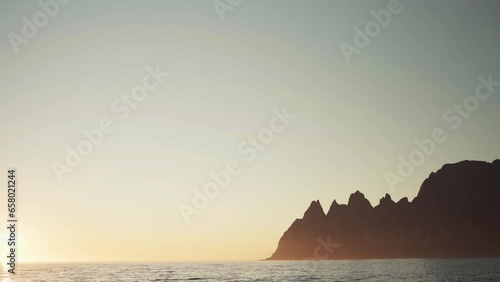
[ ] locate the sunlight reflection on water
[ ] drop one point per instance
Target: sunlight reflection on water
(5, 277)
(481, 269)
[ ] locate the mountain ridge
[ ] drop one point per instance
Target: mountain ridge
(455, 214)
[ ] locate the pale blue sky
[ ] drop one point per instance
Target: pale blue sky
(353, 119)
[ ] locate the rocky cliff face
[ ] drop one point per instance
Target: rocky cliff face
(455, 214)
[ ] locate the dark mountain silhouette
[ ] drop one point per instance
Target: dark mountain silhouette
(455, 214)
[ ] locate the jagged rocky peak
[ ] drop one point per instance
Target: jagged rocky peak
(315, 211)
(386, 200)
(358, 200)
(333, 207)
(404, 201)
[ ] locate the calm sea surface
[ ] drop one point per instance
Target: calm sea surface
(484, 269)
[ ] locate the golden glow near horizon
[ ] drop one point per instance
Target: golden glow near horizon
(353, 119)
(4, 275)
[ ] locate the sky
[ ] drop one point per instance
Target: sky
(231, 73)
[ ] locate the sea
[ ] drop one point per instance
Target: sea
(475, 269)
